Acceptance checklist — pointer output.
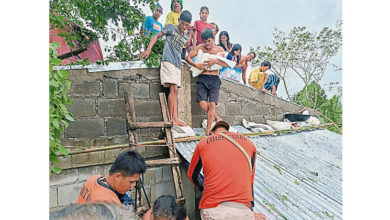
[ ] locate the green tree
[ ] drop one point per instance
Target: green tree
(80, 22)
(313, 96)
(83, 21)
(302, 52)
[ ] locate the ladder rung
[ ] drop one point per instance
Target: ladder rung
(180, 200)
(151, 145)
(159, 124)
(168, 161)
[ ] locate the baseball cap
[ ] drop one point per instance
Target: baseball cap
(221, 123)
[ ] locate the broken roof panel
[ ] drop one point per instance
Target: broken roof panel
(298, 175)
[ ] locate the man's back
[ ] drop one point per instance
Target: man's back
(256, 78)
(92, 191)
(227, 176)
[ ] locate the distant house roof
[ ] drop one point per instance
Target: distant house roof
(298, 175)
(93, 53)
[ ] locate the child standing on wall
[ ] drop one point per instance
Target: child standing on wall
(151, 23)
(201, 25)
(170, 70)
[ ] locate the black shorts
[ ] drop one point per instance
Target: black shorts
(208, 88)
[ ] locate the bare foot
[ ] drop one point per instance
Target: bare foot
(217, 118)
(176, 124)
(180, 122)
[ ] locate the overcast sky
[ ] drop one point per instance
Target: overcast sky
(251, 23)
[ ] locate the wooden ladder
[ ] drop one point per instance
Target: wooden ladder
(173, 159)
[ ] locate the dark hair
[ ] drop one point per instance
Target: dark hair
(224, 33)
(216, 26)
(185, 16)
(203, 8)
(207, 34)
(234, 48)
(266, 63)
(254, 54)
(98, 211)
(165, 206)
(181, 212)
(181, 4)
(128, 163)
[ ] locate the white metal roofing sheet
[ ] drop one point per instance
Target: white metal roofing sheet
(298, 175)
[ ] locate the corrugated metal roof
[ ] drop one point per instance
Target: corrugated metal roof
(298, 175)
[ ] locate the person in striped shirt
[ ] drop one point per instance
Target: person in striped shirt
(265, 82)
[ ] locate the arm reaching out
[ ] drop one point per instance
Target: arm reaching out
(264, 82)
(146, 53)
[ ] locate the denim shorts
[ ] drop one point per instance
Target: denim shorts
(208, 88)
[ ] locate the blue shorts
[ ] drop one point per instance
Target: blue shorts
(208, 88)
(273, 80)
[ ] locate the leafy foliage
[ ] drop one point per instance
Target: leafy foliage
(116, 20)
(59, 116)
(313, 96)
(128, 51)
(301, 52)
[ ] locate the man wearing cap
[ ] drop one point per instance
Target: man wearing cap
(170, 70)
(151, 22)
(229, 171)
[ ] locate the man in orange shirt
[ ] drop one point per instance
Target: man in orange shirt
(228, 174)
(121, 178)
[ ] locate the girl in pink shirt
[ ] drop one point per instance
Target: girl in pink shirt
(200, 25)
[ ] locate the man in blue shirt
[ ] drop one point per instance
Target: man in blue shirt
(151, 22)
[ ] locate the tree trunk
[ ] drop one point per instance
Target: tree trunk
(285, 88)
(72, 53)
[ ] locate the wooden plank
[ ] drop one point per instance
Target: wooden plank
(130, 116)
(139, 197)
(133, 137)
(160, 124)
(172, 150)
(167, 161)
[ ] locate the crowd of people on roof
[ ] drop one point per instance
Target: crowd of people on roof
(238, 73)
(196, 45)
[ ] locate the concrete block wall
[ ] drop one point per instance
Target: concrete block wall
(65, 187)
(99, 107)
